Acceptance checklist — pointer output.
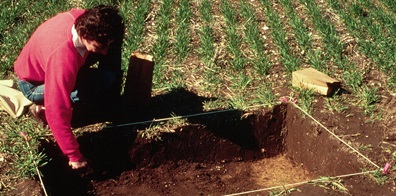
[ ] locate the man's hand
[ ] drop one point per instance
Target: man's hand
(78, 164)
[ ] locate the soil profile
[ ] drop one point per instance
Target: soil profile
(219, 154)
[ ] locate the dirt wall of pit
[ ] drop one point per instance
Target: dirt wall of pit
(315, 148)
(262, 134)
(223, 138)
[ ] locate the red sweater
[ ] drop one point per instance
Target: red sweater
(50, 57)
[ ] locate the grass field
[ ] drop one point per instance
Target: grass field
(242, 53)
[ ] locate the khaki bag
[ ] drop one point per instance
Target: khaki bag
(12, 100)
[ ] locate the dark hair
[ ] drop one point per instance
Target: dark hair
(102, 24)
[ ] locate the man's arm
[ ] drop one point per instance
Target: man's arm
(59, 82)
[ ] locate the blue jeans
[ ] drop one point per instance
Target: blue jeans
(35, 93)
(91, 84)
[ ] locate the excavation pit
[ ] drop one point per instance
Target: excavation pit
(216, 154)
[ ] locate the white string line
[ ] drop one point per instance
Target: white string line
(317, 180)
(169, 118)
(270, 188)
(35, 165)
(300, 183)
(295, 105)
(179, 117)
(221, 111)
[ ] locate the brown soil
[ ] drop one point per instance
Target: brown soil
(219, 154)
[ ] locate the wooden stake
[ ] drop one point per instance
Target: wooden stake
(137, 90)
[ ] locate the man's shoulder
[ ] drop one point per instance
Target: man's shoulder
(75, 12)
(72, 14)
